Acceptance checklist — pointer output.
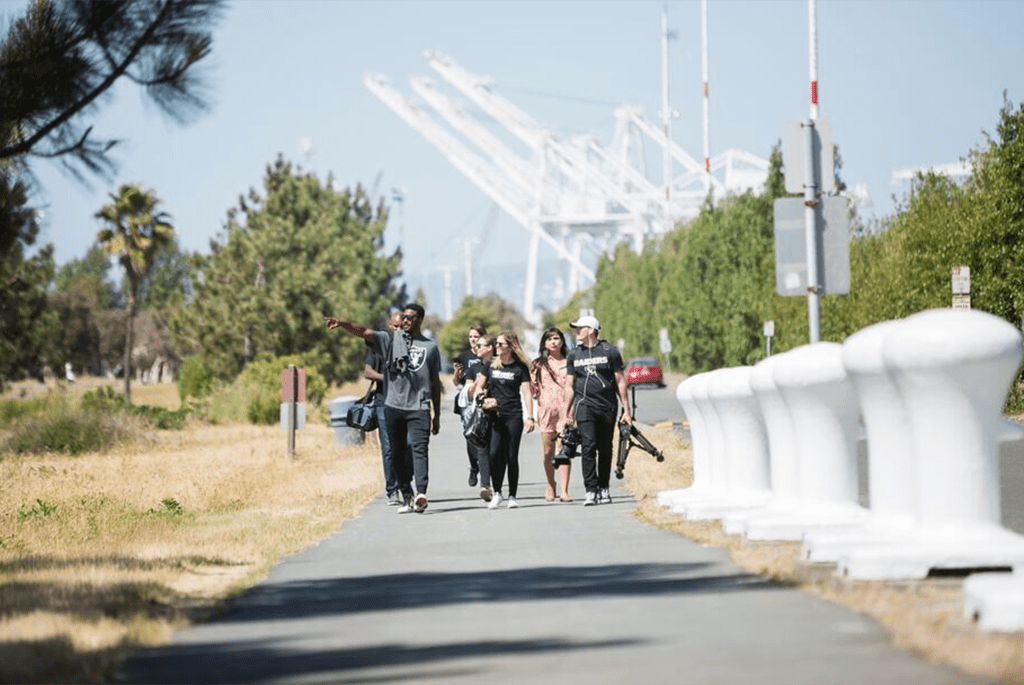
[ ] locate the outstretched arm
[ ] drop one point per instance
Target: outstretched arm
(353, 328)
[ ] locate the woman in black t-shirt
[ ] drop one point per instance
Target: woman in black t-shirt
(510, 397)
(466, 366)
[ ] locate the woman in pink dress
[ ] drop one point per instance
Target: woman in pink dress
(554, 389)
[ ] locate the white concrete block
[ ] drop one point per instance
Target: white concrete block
(995, 601)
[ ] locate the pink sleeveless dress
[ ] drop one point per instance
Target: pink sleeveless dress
(553, 391)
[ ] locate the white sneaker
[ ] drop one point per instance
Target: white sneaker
(495, 501)
(591, 499)
(604, 496)
(512, 503)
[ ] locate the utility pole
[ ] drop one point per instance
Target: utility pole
(447, 271)
(398, 196)
(811, 185)
(666, 118)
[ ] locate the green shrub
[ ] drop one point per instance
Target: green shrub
(106, 400)
(1015, 400)
(194, 379)
(263, 377)
(67, 431)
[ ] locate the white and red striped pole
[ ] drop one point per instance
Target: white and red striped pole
(704, 70)
(813, 24)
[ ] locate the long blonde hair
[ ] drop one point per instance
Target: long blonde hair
(513, 343)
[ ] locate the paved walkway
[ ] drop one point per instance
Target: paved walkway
(547, 593)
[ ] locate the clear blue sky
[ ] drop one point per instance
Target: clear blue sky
(904, 84)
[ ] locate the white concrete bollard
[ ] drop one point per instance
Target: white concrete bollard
(700, 449)
(952, 369)
(782, 459)
(716, 456)
(891, 470)
(824, 411)
(744, 457)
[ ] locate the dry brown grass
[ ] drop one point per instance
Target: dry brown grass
(102, 553)
(925, 617)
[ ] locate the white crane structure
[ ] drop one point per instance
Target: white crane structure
(567, 194)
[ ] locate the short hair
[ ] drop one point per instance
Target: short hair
(420, 312)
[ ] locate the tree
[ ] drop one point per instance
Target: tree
(136, 232)
(60, 59)
(301, 251)
(91, 274)
(25, 321)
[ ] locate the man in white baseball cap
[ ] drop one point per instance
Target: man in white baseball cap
(599, 384)
(587, 322)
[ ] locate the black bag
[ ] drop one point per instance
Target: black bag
(363, 412)
(476, 423)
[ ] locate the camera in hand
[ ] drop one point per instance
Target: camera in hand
(570, 446)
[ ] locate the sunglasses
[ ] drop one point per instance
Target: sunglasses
(500, 344)
(408, 317)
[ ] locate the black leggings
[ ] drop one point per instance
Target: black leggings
(506, 433)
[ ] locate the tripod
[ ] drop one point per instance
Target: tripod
(630, 437)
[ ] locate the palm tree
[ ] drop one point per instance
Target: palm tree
(135, 232)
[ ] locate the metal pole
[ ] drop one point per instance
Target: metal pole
(811, 189)
(293, 407)
(666, 111)
(704, 72)
(811, 223)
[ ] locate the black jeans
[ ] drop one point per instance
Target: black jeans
(480, 461)
(597, 434)
(506, 434)
(409, 435)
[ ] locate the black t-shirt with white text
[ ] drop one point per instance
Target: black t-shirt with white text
(593, 373)
(504, 383)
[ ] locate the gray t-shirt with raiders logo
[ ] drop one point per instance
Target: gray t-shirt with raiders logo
(409, 389)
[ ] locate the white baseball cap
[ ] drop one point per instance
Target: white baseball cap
(588, 322)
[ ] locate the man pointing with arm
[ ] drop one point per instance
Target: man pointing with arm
(412, 388)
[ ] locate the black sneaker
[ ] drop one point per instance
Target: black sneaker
(472, 479)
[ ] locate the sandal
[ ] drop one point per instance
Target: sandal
(550, 495)
(565, 497)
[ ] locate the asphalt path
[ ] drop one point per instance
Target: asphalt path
(547, 593)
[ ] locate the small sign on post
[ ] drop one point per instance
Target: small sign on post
(961, 287)
(769, 331)
(665, 345)
(293, 398)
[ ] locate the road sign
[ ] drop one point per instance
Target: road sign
(791, 246)
(793, 156)
(290, 384)
(961, 280)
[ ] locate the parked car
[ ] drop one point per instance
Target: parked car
(644, 371)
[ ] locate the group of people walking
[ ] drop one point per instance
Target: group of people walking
(558, 388)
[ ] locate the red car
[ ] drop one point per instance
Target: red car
(644, 371)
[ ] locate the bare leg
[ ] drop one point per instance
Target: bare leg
(563, 475)
(548, 444)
